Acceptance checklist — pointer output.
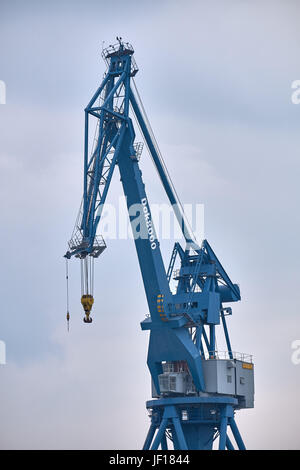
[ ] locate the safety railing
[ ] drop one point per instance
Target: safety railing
(115, 49)
(244, 357)
(77, 243)
(119, 50)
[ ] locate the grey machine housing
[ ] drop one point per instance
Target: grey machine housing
(222, 377)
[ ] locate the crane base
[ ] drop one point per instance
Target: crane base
(192, 423)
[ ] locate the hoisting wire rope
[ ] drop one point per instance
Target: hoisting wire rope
(86, 273)
(190, 233)
(92, 275)
(87, 269)
(81, 276)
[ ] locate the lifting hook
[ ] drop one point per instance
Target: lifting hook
(87, 301)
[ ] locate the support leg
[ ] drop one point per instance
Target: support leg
(236, 433)
(179, 434)
(149, 437)
(205, 339)
(175, 440)
(223, 429)
(160, 434)
(212, 340)
(229, 444)
(226, 335)
(164, 445)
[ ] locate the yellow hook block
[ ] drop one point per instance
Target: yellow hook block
(87, 301)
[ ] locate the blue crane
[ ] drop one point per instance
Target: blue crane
(196, 389)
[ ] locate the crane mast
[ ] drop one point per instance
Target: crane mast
(196, 389)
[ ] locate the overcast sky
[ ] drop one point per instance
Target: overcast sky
(215, 78)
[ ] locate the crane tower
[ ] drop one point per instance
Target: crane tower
(196, 389)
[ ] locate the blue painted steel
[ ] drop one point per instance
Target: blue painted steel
(205, 418)
(160, 434)
(236, 434)
(182, 323)
(229, 444)
(193, 401)
(149, 436)
(223, 430)
(226, 334)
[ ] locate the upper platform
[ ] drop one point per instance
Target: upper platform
(114, 52)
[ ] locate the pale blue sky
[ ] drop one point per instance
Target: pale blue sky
(215, 78)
